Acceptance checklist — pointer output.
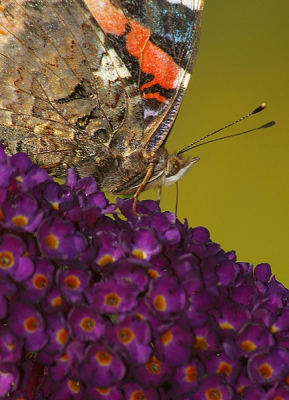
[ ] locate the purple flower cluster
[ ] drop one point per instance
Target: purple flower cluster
(127, 307)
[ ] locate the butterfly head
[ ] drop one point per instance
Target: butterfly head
(169, 169)
(176, 168)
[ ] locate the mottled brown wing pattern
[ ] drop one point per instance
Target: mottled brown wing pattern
(62, 96)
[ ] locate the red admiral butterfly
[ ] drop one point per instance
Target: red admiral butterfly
(96, 85)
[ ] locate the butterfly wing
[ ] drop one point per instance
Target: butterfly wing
(65, 93)
(158, 39)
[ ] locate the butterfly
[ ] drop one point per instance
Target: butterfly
(96, 85)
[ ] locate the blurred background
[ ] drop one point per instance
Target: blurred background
(239, 189)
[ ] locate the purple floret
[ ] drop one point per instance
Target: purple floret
(103, 304)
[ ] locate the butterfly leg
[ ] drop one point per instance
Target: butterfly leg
(159, 194)
(147, 177)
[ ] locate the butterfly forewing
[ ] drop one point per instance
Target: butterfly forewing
(158, 40)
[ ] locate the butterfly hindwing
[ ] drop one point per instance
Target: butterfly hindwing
(59, 82)
(96, 84)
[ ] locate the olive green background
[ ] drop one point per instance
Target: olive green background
(239, 188)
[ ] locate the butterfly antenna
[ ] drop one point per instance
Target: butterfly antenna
(190, 146)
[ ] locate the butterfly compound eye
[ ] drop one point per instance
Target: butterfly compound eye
(173, 166)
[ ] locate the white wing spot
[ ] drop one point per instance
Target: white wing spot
(192, 4)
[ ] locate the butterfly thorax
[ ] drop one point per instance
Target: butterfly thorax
(126, 174)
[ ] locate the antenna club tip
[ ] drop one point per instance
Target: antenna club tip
(260, 108)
